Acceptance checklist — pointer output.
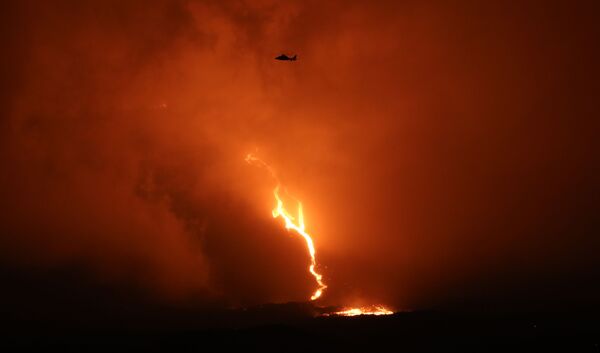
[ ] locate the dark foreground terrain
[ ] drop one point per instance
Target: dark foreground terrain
(298, 328)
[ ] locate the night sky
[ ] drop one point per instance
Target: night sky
(446, 154)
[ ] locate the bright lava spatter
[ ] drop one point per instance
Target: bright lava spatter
(372, 310)
(291, 223)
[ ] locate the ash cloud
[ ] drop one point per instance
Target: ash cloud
(443, 153)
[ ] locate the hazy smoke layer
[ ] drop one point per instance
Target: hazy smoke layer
(444, 153)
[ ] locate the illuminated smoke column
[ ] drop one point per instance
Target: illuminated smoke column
(292, 223)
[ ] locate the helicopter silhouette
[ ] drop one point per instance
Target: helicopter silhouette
(284, 57)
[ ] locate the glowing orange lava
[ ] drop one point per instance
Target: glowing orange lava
(371, 310)
(297, 225)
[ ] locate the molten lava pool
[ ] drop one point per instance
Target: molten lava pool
(366, 310)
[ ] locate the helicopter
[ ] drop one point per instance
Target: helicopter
(284, 57)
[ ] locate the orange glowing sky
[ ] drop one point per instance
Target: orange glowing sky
(440, 151)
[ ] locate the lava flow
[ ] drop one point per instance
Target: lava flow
(297, 225)
(371, 310)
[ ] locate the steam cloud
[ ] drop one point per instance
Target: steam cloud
(440, 151)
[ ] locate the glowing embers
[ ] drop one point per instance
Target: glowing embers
(365, 310)
(292, 223)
